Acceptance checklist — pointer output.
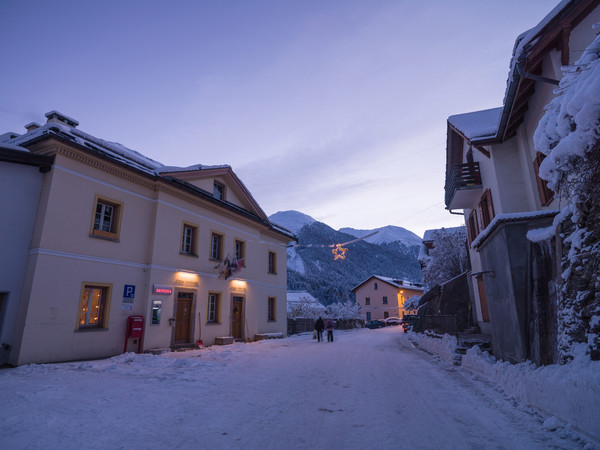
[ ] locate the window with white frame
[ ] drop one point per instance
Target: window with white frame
(218, 190)
(216, 246)
(107, 218)
(189, 240)
(214, 306)
(240, 251)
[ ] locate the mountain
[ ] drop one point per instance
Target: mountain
(292, 220)
(311, 265)
(386, 234)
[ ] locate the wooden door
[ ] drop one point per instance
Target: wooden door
(183, 316)
(237, 318)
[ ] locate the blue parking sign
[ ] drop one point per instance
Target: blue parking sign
(129, 291)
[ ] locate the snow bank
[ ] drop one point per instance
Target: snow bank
(444, 347)
(568, 392)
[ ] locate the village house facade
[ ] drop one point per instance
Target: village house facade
(382, 297)
(492, 177)
(115, 234)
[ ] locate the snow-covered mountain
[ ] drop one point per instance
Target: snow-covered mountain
(311, 266)
(292, 220)
(386, 235)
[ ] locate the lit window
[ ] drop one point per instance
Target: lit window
(189, 240)
(272, 267)
(218, 191)
(271, 316)
(107, 218)
(216, 246)
(93, 306)
(214, 306)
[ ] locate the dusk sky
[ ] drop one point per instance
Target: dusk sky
(333, 108)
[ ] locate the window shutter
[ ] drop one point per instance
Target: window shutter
(546, 194)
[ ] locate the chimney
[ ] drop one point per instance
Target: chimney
(32, 126)
(56, 117)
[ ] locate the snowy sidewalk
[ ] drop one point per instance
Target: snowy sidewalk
(368, 389)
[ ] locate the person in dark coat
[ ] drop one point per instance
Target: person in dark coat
(319, 327)
(329, 327)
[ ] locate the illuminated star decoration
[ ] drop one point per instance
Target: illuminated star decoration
(339, 252)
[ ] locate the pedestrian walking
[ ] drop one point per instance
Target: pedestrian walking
(319, 327)
(329, 327)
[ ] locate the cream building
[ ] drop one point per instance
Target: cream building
(116, 234)
(382, 297)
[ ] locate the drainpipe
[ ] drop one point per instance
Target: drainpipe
(455, 213)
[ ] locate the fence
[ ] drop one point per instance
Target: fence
(441, 324)
(296, 326)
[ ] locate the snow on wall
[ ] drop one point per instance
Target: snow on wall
(569, 392)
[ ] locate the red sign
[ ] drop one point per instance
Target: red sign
(162, 289)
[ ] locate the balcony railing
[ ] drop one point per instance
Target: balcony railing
(463, 185)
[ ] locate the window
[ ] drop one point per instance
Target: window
(218, 191)
(107, 219)
(385, 300)
(272, 267)
(214, 307)
(216, 246)
(487, 208)
(240, 251)
(93, 306)
(546, 194)
(375, 287)
(189, 240)
(271, 311)
(367, 300)
(472, 226)
(386, 314)
(368, 316)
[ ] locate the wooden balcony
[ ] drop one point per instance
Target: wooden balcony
(463, 186)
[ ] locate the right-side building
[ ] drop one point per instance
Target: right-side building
(492, 176)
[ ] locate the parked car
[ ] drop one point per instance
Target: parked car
(375, 324)
(392, 321)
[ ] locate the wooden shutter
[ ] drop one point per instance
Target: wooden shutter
(546, 194)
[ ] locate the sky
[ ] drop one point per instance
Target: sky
(333, 108)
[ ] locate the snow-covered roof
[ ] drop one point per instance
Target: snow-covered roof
(65, 127)
(299, 296)
(478, 124)
(400, 284)
(429, 234)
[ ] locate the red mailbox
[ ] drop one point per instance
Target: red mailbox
(135, 329)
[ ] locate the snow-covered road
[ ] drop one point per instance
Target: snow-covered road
(369, 389)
